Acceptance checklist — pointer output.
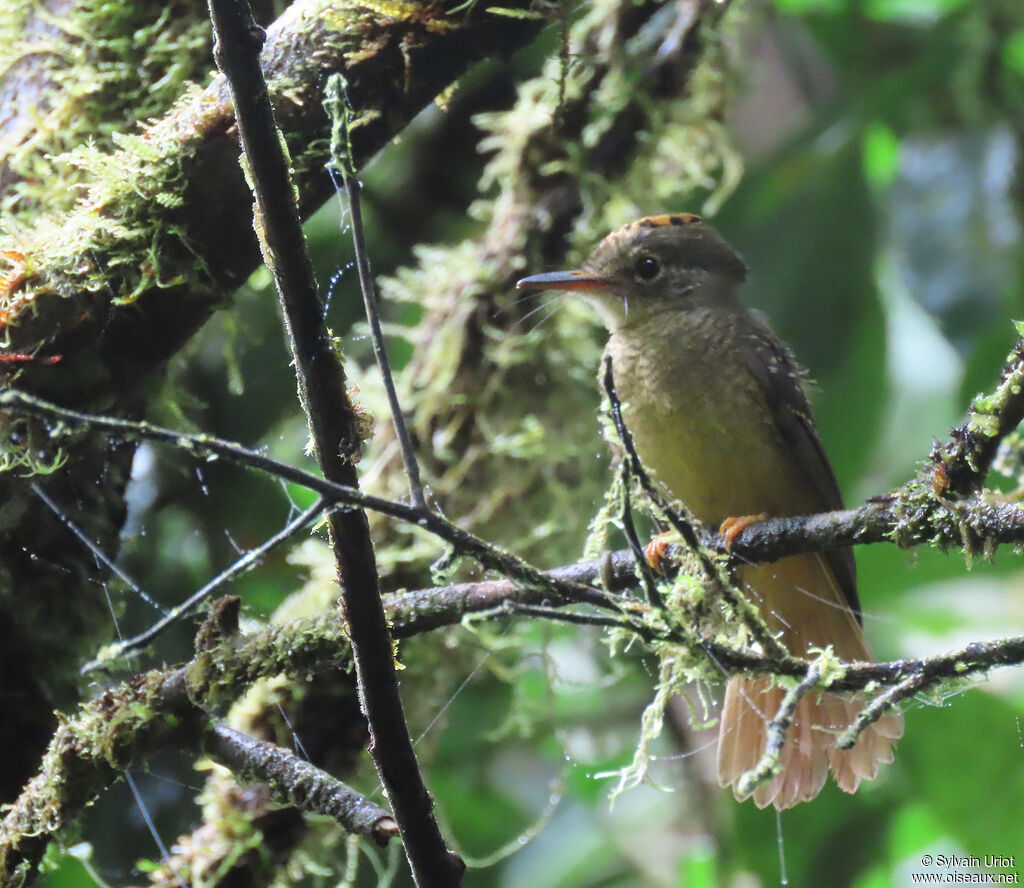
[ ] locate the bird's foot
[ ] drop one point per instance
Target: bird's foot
(656, 550)
(732, 527)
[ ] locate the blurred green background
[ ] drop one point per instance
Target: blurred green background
(879, 213)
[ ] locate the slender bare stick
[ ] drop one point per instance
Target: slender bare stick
(687, 528)
(489, 555)
(97, 552)
(338, 109)
(768, 765)
(335, 438)
(882, 704)
(248, 560)
(650, 583)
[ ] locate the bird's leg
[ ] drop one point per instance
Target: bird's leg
(732, 527)
(657, 548)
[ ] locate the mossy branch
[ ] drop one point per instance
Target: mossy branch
(105, 350)
(166, 216)
(333, 426)
(153, 211)
(963, 462)
(297, 782)
(131, 721)
(775, 732)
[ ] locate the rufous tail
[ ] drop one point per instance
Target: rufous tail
(805, 621)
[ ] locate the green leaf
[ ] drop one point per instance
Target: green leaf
(800, 7)
(913, 829)
(699, 867)
(911, 11)
(880, 155)
(980, 734)
(1013, 52)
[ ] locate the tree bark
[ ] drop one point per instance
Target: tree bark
(101, 292)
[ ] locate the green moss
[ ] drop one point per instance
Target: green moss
(107, 66)
(986, 410)
(90, 203)
(113, 727)
(531, 385)
(24, 459)
(679, 671)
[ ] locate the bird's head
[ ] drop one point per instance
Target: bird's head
(658, 263)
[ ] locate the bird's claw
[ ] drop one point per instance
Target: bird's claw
(732, 527)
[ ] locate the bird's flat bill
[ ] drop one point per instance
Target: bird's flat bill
(562, 280)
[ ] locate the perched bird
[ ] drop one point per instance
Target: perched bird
(716, 406)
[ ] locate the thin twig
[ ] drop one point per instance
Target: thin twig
(297, 782)
(334, 432)
(875, 521)
(883, 703)
(338, 109)
(97, 552)
(202, 445)
(768, 765)
(647, 578)
(964, 461)
(309, 644)
(649, 632)
(489, 555)
(247, 561)
(563, 616)
(687, 528)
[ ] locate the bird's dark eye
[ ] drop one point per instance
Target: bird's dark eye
(646, 268)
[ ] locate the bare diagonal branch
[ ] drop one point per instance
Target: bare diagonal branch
(334, 430)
